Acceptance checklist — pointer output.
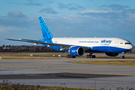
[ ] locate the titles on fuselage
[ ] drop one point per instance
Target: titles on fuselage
(105, 42)
(88, 41)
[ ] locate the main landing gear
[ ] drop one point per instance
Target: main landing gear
(90, 56)
(70, 56)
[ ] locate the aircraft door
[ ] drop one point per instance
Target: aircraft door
(116, 43)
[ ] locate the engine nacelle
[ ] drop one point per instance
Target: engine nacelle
(76, 51)
(112, 54)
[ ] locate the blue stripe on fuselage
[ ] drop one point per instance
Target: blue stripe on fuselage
(107, 49)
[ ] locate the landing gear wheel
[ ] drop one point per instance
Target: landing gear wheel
(73, 56)
(93, 56)
(70, 56)
(122, 57)
(90, 56)
(87, 56)
(67, 56)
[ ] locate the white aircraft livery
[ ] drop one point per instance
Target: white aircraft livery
(78, 46)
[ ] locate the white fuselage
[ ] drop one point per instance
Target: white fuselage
(92, 42)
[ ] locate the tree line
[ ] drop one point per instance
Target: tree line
(25, 48)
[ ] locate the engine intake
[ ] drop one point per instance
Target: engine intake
(76, 51)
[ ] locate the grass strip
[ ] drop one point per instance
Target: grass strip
(10, 87)
(55, 55)
(28, 57)
(108, 62)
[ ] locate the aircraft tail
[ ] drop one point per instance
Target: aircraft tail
(47, 36)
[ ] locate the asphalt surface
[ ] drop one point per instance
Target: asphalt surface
(59, 72)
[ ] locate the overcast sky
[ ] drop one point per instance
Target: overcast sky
(67, 18)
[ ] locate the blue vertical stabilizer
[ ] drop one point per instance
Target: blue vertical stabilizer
(47, 36)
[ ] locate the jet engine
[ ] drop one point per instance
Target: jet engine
(112, 54)
(76, 51)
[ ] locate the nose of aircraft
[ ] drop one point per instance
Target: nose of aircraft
(131, 46)
(133, 49)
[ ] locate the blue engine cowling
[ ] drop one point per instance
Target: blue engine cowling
(112, 54)
(76, 51)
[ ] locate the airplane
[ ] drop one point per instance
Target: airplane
(78, 46)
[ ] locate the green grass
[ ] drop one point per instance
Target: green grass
(10, 87)
(13, 55)
(108, 62)
(27, 57)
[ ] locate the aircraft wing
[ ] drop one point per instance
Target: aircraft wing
(45, 43)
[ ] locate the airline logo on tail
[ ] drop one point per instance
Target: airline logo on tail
(47, 36)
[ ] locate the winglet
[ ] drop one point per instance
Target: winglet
(47, 36)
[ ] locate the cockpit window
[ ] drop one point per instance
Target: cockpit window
(127, 43)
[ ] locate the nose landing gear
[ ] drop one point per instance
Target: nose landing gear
(122, 55)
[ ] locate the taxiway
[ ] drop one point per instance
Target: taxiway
(59, 72)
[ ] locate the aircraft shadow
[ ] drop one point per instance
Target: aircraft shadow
(56, 76)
